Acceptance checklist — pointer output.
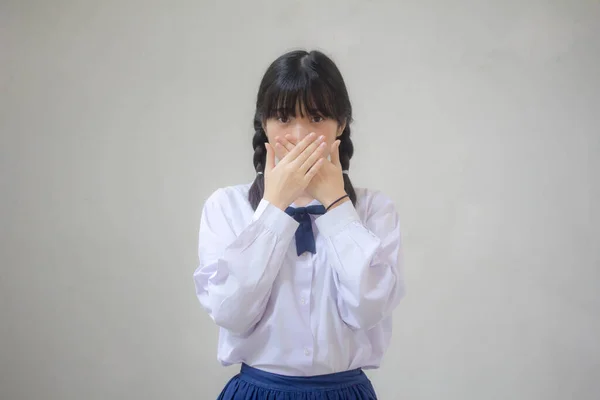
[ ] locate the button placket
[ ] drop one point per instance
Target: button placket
(304, 275)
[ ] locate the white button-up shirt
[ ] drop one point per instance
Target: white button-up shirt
(300, 315)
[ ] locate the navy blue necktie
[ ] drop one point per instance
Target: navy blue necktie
(305, 238)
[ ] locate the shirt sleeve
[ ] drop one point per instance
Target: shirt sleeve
(366, 259)
(236, 272)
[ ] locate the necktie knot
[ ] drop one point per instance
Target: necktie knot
(305, 238)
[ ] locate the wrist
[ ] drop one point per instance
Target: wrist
(335, 200)
(276, 202)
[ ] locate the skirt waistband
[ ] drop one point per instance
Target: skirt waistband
(300, 383)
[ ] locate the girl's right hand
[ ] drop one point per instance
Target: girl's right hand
(287, 180)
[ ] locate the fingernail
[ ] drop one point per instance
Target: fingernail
(311, 134)
(321, 137)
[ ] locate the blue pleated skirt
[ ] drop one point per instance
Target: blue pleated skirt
(255, 384)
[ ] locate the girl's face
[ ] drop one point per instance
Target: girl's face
(301, 125)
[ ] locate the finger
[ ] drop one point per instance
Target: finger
(280, 151)
(287, 143)
(302, 145)
(314, 170)
(335, 154)
(306, 153)
(314, 157)
(270, 159)
(292, 139)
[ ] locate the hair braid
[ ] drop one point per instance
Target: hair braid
(260, 157)
(346, 151)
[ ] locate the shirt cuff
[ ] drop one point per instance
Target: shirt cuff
(337, 219)
(275, 220)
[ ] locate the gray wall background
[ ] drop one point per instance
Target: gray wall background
(480, 118)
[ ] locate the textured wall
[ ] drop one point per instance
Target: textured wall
(118, 118)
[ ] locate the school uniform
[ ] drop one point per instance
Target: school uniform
(302, 317)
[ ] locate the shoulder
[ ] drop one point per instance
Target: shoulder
(369, 201)
(235, 196)
(375, 208)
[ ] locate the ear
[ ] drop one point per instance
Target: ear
(340, 129)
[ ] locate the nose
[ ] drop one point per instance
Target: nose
(300, 131)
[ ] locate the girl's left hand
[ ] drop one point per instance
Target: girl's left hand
(328, 184)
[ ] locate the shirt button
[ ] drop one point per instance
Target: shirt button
(306, 351)
(303, 301)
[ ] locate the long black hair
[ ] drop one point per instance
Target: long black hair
(312, 81)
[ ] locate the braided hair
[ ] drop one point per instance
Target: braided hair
(260, 158)
(313, 81)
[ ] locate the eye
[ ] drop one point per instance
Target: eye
(317, 118)
(283, 119)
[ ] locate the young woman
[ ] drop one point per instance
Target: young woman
(300, 270)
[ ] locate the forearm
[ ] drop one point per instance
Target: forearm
(367, 267)
(235, 284)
